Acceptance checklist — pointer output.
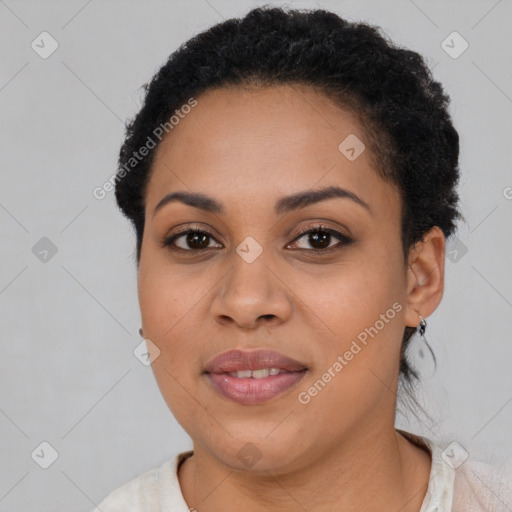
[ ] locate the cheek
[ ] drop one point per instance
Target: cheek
(165, 297)
(356, 293)
(172, 304)
(362, 304)
(357, 362)
(169, 304)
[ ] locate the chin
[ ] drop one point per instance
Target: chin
(249, 459)
(251, 451)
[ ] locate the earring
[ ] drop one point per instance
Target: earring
(141, 334)
(422, 326)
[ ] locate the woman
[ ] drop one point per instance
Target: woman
(291, 178)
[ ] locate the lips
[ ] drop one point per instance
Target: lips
(250, 378)
(238, 360)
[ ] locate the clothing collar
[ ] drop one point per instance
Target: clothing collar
(439, 496)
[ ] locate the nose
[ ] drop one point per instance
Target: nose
(251, 294)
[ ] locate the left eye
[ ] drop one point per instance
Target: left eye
(321, 237)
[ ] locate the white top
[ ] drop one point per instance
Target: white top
(455, 485)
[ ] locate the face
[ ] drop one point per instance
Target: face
(333, 299)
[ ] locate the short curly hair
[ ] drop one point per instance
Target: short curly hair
(403, 110)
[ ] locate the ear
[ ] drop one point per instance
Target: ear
(425, 276)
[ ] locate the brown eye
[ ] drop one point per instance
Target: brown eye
(319, 238)
(189, 240)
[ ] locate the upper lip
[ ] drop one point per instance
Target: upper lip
(235, 360)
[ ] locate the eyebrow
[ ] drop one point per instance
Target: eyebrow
(283, 205)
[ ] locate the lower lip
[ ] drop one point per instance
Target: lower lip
(254, 391)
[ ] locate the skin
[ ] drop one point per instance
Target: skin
(247, 149)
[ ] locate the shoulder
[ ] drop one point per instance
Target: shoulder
(155, 490)
(480, 486)
(459, 483)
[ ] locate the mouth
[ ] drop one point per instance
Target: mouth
(254, 377)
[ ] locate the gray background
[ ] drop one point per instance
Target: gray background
(69, 324)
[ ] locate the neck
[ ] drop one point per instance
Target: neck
(379, 470)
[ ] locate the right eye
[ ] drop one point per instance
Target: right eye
(191, 240)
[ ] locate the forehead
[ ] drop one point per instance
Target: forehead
(264, 141)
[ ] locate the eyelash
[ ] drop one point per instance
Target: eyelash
(344, 240)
